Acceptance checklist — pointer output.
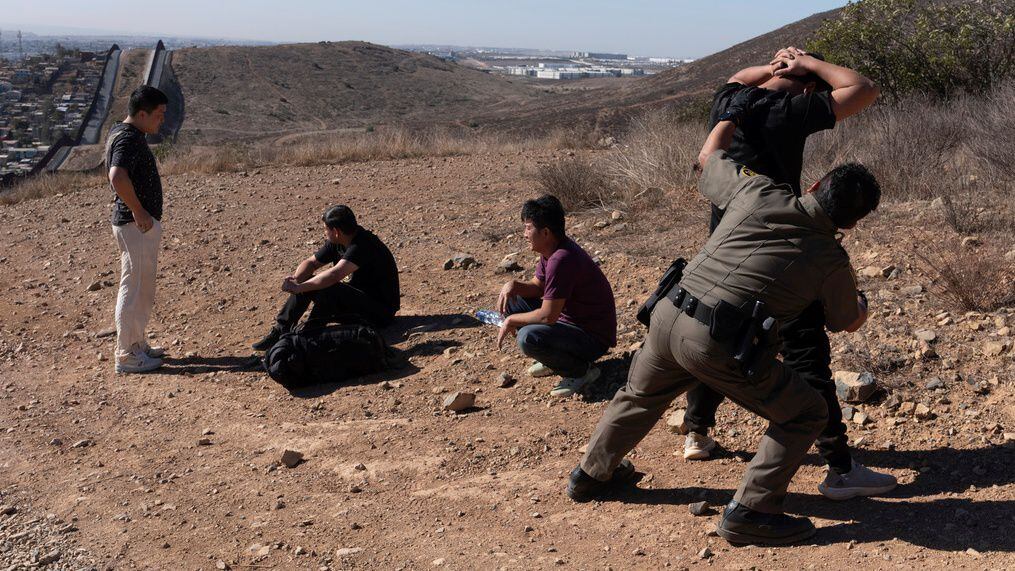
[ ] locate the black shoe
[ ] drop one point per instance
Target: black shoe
(269, 340)
(743, 526)
(581, 487)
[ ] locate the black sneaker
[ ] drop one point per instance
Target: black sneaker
(741, 525)
(582, 488)
(269, 340)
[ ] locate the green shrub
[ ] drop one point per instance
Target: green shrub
(939, 48)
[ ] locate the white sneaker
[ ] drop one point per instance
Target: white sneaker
(698, 446)
(860, 481)
(539, 370)
(571, 385)
(138, 362)
(155, 352)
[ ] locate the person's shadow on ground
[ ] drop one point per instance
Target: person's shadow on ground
(197, 364)
(952, 524)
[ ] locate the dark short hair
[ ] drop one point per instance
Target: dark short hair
(145, 98)
(848, 193)
(545, 212)
(342, 218)
(820, 84)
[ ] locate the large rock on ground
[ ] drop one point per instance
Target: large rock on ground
(854, 387)
(459, 401)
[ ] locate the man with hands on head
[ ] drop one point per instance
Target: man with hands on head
(763, 116)
(565, 317)
(371, 295)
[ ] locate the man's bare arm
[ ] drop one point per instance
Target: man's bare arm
(752, 76)
(306, 269)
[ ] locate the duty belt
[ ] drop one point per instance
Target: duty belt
(691, 305)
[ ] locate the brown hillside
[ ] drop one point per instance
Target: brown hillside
(610, 106)
(253, 92)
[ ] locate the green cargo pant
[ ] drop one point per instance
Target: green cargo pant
(678, 353)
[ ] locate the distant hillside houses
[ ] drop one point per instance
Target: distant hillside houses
(566, 71)
(43, 98)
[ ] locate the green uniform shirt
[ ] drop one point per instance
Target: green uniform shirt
(770, 246)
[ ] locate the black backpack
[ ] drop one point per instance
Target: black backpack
(330, 354)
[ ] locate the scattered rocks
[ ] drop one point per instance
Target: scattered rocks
(459, 401)
(505, 380)
(509, 264)
(675, 421)
(347, 551)
(291, 458)
(699, 509)
(461, 262)
(995, 348)
(854, 387)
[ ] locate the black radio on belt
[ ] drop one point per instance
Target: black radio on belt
(670, 279)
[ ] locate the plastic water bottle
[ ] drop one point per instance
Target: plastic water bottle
(490, 316)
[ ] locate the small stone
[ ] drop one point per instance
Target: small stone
(675, 421)
(505, 380)
(861, 418)
(95, 286)
(207, 432)
(911, 290)
(109, 332)
(204, 441)
(81, 443)
(101, 357)
(994, 348)
(970, 242)
(509, 264)
(871, 272)
(459, 401)
(854, 387)
(291, 458)
(923, 412)
(359, 466)
(705, 554)
(437, 562)
(222, 565)
(56, 442)
(906, 408)
(699, 508)
(8, 510)
(887, 271)
(928, 335)
(935, 383)
(1008, 437)
(347, 551)
(616, 215)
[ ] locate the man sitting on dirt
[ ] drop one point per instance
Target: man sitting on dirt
(565, 317)
(137, 226)
(371, 296)
(796, 95)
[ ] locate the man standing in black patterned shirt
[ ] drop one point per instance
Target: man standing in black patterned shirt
(137, 226)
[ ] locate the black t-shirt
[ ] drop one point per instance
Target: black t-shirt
(127, 148)
(771, 141)
(377, 273)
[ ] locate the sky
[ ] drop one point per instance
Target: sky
(674, 28)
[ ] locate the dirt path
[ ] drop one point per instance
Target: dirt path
(390, 481)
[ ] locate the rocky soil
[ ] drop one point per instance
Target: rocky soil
(185, 468)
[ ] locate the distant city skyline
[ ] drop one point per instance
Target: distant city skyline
(677, 28)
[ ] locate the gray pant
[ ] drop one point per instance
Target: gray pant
(678, 353)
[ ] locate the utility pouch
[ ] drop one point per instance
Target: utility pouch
(755, 337)
(669, 280)
(727, 323)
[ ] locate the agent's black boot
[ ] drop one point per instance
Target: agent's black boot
(582, 488)
(743, 526)
(269, 340)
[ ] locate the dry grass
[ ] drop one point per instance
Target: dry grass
(971, 281)
(657, 153)
(578, 182)
(49, 185)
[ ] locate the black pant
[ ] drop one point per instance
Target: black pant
(340, 302)
(806, 350)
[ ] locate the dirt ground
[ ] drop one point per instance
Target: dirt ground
(106, 471)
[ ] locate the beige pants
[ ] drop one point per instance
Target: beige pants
(678, 354)
(138, 263)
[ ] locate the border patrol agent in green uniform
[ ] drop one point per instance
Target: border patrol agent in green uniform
(772, 255)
